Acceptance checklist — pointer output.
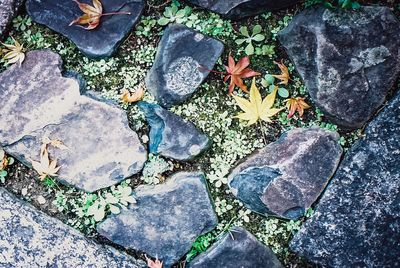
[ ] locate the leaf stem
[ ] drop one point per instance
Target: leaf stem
(211, 71)
(116, 13)
(262, 131)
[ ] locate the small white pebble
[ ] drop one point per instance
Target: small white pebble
(41, 200)
(145, 139)
(24, 191)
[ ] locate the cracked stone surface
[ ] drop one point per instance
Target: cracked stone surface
(184, 58)
(8, 10)
(237, 249)
(98, 43)
(30, 238)
(348, 60)
(38, 102)
(357, 221)
(287, 176)
(171, 136)
(239, 9)
(166, 220)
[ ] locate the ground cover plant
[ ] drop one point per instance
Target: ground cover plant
(249, 99)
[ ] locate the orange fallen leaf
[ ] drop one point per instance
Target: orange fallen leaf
(128, 97)
(3, 160)
(55, 143)
(296, 104)
(284, 76)
(92, 14)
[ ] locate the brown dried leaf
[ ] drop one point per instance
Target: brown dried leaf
(45, 167)
(128, 97)
(154, 264)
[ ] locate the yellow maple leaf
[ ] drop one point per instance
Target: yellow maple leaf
(256, 108)
(13, 53)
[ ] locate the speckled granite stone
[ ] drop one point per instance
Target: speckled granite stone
(357, 221)
(166, 220)
(30, 238)
(348, 60)
(8, 9)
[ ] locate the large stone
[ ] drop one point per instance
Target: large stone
(237, 249)
(357, 221)
(287, 176)
(8, 10)
(348, 60)
(98, 43)
(239, 9)
(171, 136)
(30, 238)
(166, 220)
(184, 58)
(39, 102)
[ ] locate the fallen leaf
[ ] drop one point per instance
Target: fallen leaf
(3, 160)
(92, 14)
(284, 76)
(45, 167)
(256, 108)
(128, 97)
(236, 72)
(154, 264)
(55, 143)
(296, 104)
(13, 53)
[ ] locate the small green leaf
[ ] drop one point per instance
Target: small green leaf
(3, 173)
(271, 88)
(115, 209)
(258, 37)
(163, 21)
(283, 92)
(257, 29)
(249, 49)
(10, 160)
(240, 41)
(243, 30)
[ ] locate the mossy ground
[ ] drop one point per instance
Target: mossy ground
(210, 109)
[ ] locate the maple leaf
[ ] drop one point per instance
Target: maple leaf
(154, 264)
(128, 97)
(55, 143)
(92, 14)
(13, 53)
(284, 76)
(296, 104)
(238, 71)
(256, 108)
(45, 167)
(3, 160)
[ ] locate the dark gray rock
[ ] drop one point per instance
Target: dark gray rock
(357, 221)
(287, 176)
(171, 136)
(182, 62)
(8, 10)
(30, 238)
(39, 102)
(348, 60)
(237, 249)
(98, 43)
(239, 9)
(166, 220)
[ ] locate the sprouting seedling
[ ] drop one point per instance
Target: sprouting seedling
(92, 14)
(256, 36)
(173, 14)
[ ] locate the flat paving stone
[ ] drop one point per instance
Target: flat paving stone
(348, 60)
(239, 9)
(39, 102)
(287, 176)
(166, 220)
(357, 221)
(30, 238)
(171, 136)
(8, 10)
(97, 43)
(237, 249)
(183, 60)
